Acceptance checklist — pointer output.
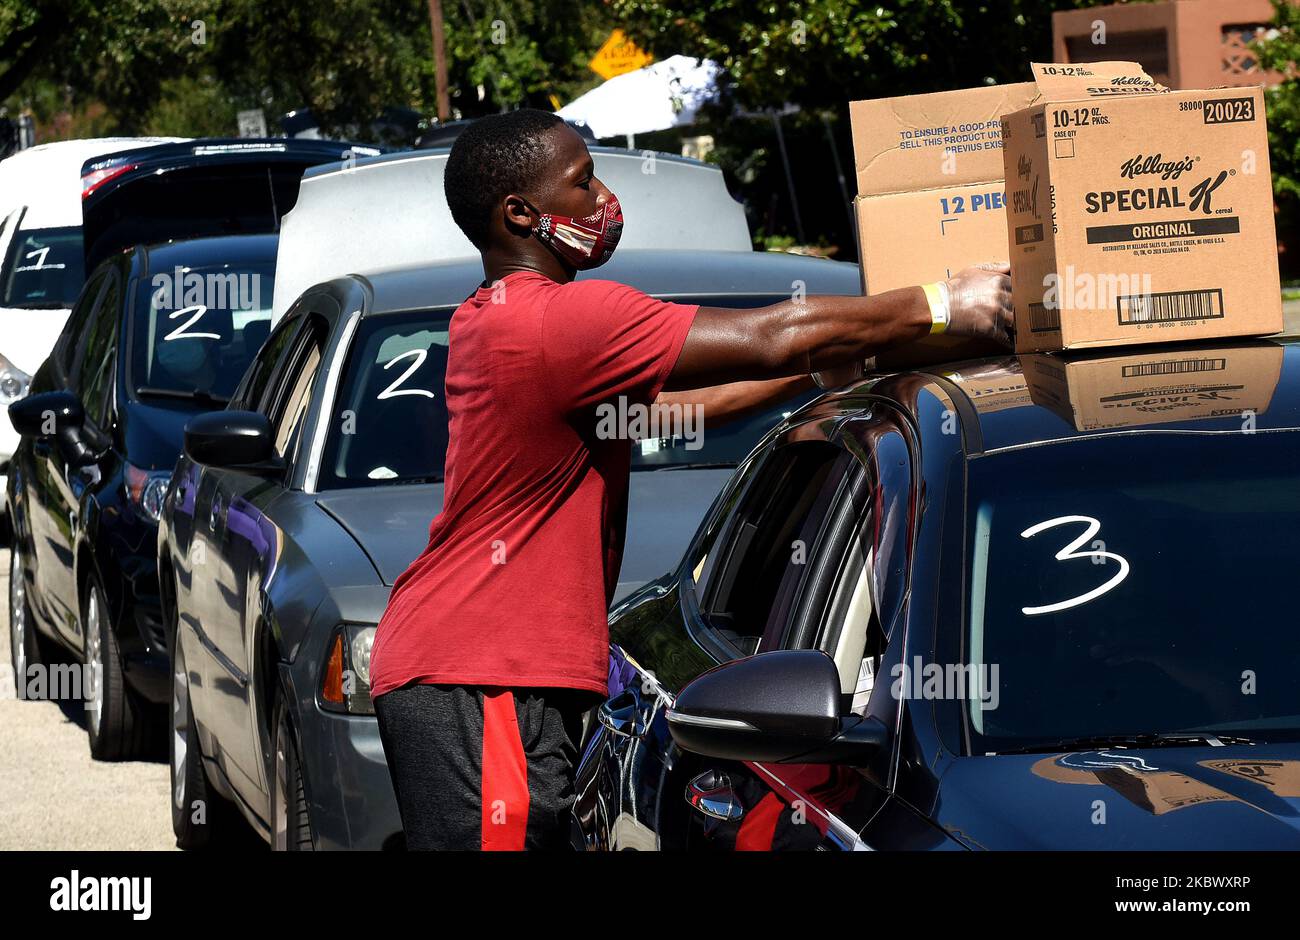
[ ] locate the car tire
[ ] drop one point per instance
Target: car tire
(24, 643)
(190, 789)
(290, 817)
(118, 723)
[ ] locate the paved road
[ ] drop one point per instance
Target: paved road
(1291, 317)
(52, 795)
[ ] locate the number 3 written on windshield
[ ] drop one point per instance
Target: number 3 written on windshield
(1070, 552)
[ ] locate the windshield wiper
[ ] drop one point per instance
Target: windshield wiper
(1153, 739)
(197, 394)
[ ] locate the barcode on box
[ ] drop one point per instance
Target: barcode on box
(1044, 319)
(1174, 367)
(1170, 307)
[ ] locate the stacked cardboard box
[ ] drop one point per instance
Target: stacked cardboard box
(1100, 391)
(1137, 214)
(930, 195)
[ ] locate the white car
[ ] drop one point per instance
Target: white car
(377, 213)
(41, 264)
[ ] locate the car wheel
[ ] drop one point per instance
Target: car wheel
(201, 818)
(117, 722)
(24, 644)
(290, 820)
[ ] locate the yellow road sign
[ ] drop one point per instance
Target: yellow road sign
(618, 55)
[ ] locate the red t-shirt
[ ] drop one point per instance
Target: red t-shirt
(514, 586)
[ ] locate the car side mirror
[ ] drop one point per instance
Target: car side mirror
(776, 707)
(235, 440)
(59, 417)
(46, 414)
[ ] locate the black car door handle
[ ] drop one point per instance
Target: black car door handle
(710, 794)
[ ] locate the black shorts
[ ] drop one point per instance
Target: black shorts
(483, 768)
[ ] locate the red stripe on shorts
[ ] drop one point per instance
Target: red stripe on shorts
(505, 775)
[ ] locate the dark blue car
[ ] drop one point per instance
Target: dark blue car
(157, 335)
(1036, 603)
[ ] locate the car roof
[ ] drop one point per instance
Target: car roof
(391, 211)
(47, 178)
(1230, 386)
(661, 273)
(199, 150)
(195, 252)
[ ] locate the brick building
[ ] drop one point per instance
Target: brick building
(1182, 43)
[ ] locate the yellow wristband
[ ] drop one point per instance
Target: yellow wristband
(937, 295)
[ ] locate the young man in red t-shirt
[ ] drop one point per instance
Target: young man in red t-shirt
(494, 643)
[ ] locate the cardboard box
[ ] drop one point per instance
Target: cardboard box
(930, 196)
(1136, 214)
(1155, 386)
(993, 386)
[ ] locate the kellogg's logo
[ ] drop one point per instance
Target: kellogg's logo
(1155, 165)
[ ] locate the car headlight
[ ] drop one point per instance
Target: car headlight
(145, 490)
(345, 680)
(14, 382)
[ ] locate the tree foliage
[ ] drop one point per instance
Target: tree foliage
(1278, 50)
(822, 53)
(171, 66)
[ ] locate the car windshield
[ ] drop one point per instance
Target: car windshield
(394, 381)
(43, 269)
(195, 330)
(1129, 585)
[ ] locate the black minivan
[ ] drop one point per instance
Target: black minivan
(158, 334)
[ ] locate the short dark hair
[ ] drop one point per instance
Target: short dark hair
(494, 156)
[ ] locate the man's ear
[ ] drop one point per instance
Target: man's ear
(518, 214)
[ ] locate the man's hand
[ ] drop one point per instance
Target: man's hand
(979, 302)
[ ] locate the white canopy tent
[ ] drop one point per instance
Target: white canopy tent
(661, 95)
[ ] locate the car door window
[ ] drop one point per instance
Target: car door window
(253, 387)
(853, 626)
(94, 376)
(292, 392)
(771, 542)
(75, 329)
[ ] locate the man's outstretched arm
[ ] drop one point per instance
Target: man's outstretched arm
(821, 332)
(734, 400)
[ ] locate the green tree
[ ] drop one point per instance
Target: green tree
(823, 53)
(177, 67)
(118, 54)
(1278, 51)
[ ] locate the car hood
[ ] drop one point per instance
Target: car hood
(1234, 797)
(27, 336)
(153, 432)
(391, 523)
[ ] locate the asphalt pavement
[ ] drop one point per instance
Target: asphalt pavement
(52, 795)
